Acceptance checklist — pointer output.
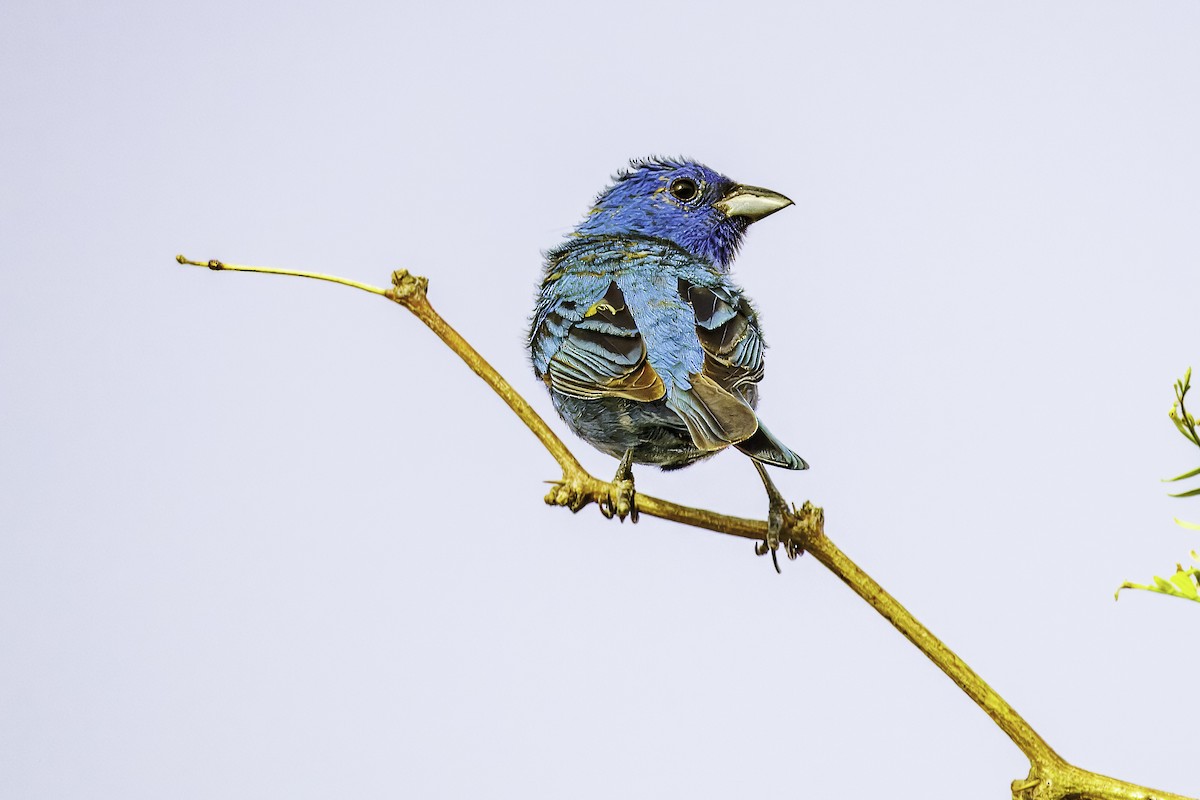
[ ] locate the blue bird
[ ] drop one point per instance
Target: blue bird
(649, 351)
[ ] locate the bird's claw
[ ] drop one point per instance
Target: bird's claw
(571, 492)
(621, 500)
(615, 499)
(781, 521)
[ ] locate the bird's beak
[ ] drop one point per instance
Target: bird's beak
(751, 202)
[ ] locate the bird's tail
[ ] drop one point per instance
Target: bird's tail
(764, 447)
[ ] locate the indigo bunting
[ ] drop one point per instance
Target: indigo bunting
(649, 351)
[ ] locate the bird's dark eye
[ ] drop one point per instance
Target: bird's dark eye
(684, 189)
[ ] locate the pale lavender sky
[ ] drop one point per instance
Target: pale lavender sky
(262, 537)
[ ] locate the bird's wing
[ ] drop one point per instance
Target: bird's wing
(715, 417)
(727, 328)
(591, 346)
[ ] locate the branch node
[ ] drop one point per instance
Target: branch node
(407, 288)
(212, 263)
(802, 529)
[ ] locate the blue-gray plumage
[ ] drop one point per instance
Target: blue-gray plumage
(648, 349)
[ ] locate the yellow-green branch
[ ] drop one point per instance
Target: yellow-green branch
(1050, 777)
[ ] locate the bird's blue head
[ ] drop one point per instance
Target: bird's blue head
(691, 205)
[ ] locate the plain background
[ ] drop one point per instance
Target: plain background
(263, 537)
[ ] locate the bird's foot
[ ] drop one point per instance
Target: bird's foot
(574, 491)
(615, 499)
(781, 518)
(621, 501)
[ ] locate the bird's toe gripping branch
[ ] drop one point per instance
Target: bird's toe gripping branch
(782, 520)
(622, 500)
(576, 490)
(615, 499)
(788, 528)
(783, 523)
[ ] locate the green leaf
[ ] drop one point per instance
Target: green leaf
(1181, 585)
(1186, 584)
(1191, 526)
(1191, 474)
(1192, 493)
